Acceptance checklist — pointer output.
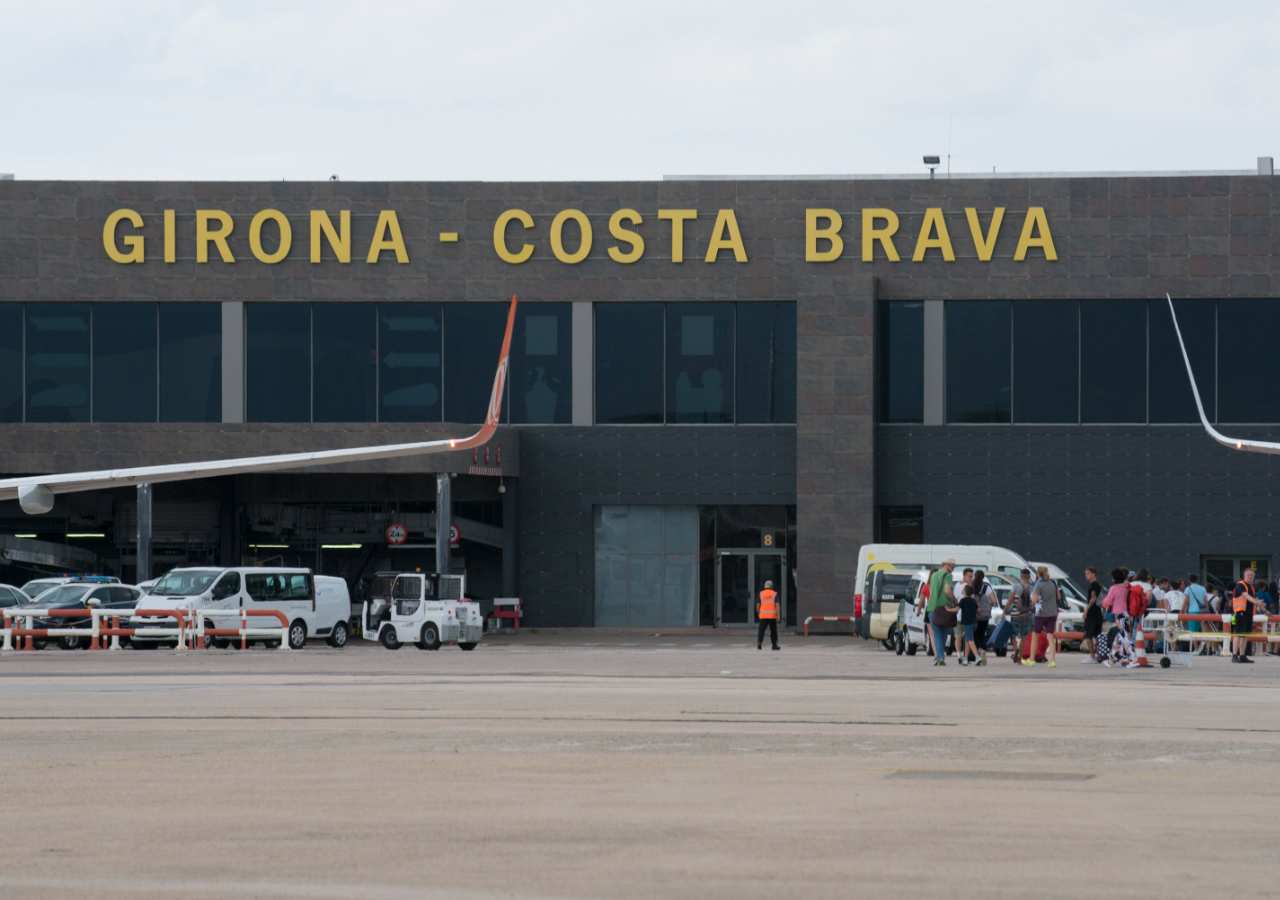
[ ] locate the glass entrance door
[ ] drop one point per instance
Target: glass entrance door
(741, 578)
(735, 606)
(1225, 571)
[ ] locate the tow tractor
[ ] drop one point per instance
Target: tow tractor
(423, 609)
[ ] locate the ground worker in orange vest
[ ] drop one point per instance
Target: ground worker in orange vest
(767, 615)
(1242, 608)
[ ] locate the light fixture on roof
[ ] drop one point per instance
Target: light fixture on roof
(932, 161)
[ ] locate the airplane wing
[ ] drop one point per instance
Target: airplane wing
(36, 493)
(1243, 444)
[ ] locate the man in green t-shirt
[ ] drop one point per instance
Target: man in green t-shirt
(941, 594)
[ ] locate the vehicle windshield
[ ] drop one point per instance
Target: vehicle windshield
(33, 588)
(185, 584)
(61, 596)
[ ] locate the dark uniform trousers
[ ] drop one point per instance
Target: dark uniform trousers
(772, 625)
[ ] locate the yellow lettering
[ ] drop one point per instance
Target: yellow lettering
(1035, 233)
(984, 244)
(627, 236)
(726, 236)
(557, 236)
(205, 235)
(170, 239)
(500, 236)
(873, 232)
(134, 251)
(255, 236)
(829, 232)
(677, 218)
(339, 241)
(933, 236)
(387, 236)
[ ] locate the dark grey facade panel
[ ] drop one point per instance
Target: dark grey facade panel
(1154, 496)
(566, 472)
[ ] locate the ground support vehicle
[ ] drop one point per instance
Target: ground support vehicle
(423, 609)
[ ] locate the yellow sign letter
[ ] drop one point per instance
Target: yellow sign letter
(387, 236)
(984, 244)
(933, 236)
(255, 236)
(339, 240)
(216, 236)
(829, 231)
(134, 251)
(726, 236)
(500, 236)
(170, 236)
(872, 232)
(677, 218)
(633, 239)
(1042, 238)
(557, 236)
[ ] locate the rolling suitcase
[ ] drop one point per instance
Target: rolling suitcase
(1000, 636)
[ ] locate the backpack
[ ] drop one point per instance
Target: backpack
(1137, 601)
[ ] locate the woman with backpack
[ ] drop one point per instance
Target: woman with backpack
(986, 599)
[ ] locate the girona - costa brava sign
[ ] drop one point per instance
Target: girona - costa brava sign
(326, 236)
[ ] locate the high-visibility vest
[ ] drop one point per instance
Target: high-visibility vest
(768, 604)
(1241, 604)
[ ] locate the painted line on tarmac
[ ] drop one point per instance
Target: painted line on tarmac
(222, 887)
(987, 775)
(612, 720)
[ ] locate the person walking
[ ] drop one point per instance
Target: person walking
(987, 600)
(1093, 617)
(958, 637)
(1197, 602)
(767, 616)
(968, 648)
(1020, 613)
(1045, 597)
(1243, 602)
(939, 607)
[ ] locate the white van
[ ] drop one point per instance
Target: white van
(879, 557)
(1063, 581)
(317, 605)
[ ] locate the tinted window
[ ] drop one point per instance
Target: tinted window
(977, 359)
(765, 365)
(1249, 390)
(124, 362)
(265, 588)
(10, 362)
(1046, 361)
(629, 349)
(1170, 393)
(473, 336)
(346, 361)
(190, 362)
(409, 362)
(1114, 349)
(700, 362)
(278, 362)
(542, 364)
(901, 364)
(227, 586)
(58, 362)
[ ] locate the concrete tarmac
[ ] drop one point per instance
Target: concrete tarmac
(633, 766)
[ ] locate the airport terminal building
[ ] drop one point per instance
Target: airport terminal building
(713, 382)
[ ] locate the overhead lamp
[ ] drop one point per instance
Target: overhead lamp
(85, 534)
(24, 535)
(341, 546)
(268, 546)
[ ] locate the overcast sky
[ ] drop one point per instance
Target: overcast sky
(612, 90)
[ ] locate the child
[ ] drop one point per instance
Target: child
(969, 622)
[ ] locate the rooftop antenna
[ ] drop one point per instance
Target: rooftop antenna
(951, 120)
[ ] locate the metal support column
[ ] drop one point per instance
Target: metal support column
(444, 520)
(144, 534)
(510, 546)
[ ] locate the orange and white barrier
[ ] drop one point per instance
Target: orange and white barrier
(825, 619)
(189, 628)
(242, 630)
(1167, 620)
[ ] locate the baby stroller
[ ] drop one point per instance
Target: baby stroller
(1114, 647)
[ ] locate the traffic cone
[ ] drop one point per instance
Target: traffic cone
(1141, 648)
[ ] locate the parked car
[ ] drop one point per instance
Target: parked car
(37, 586)
(11, 596)
(74, 596)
